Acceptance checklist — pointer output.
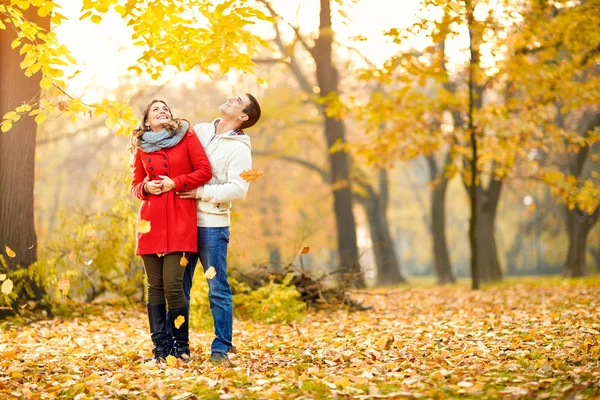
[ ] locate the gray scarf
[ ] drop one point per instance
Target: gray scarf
(154, 141)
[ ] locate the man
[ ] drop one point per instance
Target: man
(228, 150)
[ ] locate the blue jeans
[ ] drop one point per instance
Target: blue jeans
(212, 252)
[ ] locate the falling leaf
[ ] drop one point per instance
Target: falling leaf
(142, 226)
(266, 307)
(89, 262)
(2, 277)
(184, 261)
(210, 273)
(23, 306)
(63, 286)
(250, 175)
(305, 250)
(92, 234)
(31, 247)
(160, 254)
(179, 321)
(10, 252)
(7, 286)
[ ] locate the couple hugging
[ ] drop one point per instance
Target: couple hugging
(187, 178)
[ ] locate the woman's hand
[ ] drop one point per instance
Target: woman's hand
(154, 187)
(167, 183)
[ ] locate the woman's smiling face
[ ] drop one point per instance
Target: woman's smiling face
(158, 115)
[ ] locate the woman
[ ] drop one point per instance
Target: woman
(166, 157)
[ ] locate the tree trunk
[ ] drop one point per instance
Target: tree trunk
(443, 268)
(514, 252)
(579, 226)
(489, 266)
(340, 171)
(579, 223)
(388, 265)
(17, 164)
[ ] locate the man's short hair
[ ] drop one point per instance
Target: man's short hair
(252, 110)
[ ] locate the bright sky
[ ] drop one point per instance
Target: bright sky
(105, 51)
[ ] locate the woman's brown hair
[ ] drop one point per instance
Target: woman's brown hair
(173, 126)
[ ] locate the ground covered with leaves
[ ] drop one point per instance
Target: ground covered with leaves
(522, 340)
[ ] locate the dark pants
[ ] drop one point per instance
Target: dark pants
(165, 279)
(212, 252)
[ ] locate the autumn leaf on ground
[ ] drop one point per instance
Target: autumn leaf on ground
(10, 252)
(171, 361)
(210, 273)
(142, 226)
(305, 250)
(63, 286)
(7, 286)
(179, 321)
(184, 261)
(250, 175)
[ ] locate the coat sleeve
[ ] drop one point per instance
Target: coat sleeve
(139, 178)
(202, 171)
(236, 188)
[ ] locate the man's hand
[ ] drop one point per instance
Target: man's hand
(187, 194)
(154, 187)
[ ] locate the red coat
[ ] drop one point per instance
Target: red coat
(172, 219)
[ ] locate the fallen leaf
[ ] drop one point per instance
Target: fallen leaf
(179, 321)
(10, 252)
(184, 261)
(171, 361)
(142, 226)
(250, 175)
(389, 342)
(210, 273)
(7, 286)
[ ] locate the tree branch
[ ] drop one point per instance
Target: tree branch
(300, 77)
(307, 164)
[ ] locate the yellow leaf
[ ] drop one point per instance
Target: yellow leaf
(10, 252)
(184, 261)
(6, 126)
(142, 226)
(266, 307)
(2, 277)
(109, 123)
(210, 273)
(63, 286)
(46, 82)
(7, 286)
(15, 43)
(41, 117)
(171, 361)
(179, 321)
(96, 19)
(305, 250)
(250, 175)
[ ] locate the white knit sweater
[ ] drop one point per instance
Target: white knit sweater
(229, 155)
